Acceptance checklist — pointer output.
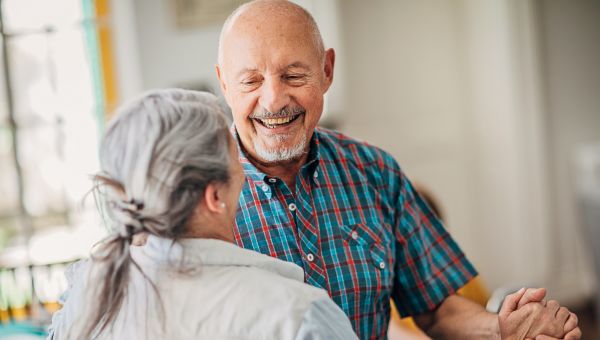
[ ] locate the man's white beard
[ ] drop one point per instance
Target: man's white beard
(281, 154)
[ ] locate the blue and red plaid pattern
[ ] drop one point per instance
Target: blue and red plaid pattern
(359, 230)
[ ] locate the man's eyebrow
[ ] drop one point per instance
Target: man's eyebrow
(244, 71)
(297, 64)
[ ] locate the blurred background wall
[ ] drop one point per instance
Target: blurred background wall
(572, 101)
(484, 102)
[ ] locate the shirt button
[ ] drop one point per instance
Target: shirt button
(292, 207)
(316, 174)
(272, 180)
(381, 265)
(265, 187)
(354, 235)
(310, 257)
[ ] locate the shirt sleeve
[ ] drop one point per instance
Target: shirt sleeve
(324, 320)
(429, 266)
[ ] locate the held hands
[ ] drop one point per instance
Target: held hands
(526, 315)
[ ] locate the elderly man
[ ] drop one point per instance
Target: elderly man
(342, 209)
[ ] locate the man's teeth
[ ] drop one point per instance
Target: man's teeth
(277, 121)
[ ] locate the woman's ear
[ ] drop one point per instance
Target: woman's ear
(213, 199)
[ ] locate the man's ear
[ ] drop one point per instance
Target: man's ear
(328, 67)
(221, 80)
(213, 199)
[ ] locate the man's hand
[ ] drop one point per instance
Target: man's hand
(572, 331)
(525, 315)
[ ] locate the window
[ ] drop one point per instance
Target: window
(53, 91)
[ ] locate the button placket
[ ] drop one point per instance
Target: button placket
(264, 187)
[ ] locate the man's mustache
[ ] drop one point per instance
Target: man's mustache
(285, 112)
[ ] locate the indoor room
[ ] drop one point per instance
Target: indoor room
(491, 109)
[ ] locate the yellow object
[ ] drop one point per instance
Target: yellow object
(474, 290)
(4, 317)
(52, 307)
(106, 55)
(19, 314)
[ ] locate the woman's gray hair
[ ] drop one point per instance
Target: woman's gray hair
(158, 155)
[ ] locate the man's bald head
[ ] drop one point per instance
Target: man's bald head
(261, 13)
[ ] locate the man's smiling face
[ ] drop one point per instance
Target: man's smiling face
(274, 74)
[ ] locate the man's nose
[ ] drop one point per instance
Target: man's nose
(274, 96)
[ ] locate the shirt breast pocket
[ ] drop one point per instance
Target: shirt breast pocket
(370, 258)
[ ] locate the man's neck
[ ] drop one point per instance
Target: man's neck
(285, 170)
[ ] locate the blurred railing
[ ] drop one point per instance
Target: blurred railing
(29, 296)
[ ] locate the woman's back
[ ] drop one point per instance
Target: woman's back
(210, 289)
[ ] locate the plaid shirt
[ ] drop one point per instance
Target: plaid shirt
(359, 230)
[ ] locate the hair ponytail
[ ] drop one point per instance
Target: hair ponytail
(109, 272)
(110, 265)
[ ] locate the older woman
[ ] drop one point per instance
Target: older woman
(170, 169)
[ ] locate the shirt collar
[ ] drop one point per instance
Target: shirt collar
(198, 252)
(258, 176)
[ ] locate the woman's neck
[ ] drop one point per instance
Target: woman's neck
(217, 231)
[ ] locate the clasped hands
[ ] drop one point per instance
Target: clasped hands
(526, 315)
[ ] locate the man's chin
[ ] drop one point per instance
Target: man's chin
(280, 154)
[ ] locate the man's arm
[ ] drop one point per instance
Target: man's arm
(457, 317)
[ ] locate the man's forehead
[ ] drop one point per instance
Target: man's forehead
(253, 32)
(248, 53)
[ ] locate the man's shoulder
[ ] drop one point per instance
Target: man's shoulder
(341, 147)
